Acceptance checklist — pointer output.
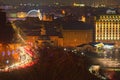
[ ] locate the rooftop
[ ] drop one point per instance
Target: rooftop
(77, 25)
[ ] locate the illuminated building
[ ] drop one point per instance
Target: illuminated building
(64, 33)
(78, 5)
(102, 3)
(76, 33)
(47, 17)
(40, 31)
(108, 28)
(21, 14)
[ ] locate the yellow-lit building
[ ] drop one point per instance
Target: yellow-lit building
(77, 37)
(77, 33)
(108, 28)
(57, 40)
(67, 33)
(47, 17)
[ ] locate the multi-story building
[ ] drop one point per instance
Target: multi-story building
(76, 33)
(108, 28)
(103, 3)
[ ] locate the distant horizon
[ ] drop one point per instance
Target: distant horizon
(65, 2)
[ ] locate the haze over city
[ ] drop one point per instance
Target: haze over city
(64, 2)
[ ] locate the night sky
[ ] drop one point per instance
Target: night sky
(67, 2)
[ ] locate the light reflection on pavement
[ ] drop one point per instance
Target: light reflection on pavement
(107, 65)
(106, 62)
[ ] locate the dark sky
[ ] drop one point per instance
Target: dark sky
(52, 1)
(35, 1)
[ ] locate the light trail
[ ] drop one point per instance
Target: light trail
(23, 63)
(26, 55)
(21, 38)
(17, 32)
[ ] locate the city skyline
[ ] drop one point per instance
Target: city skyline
(66, 2)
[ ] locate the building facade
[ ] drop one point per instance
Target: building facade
(77, 33)
(108, 28)
(74, 38)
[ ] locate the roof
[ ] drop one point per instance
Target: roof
(52, 30)
(44, 37)
(95, 43)
(77, 25)
(82, 45)
(32, 33)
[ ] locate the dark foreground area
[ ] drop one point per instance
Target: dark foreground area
(54, 64)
